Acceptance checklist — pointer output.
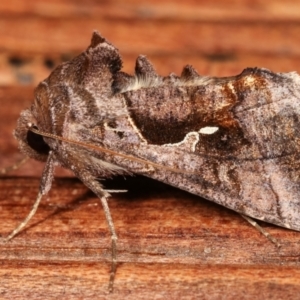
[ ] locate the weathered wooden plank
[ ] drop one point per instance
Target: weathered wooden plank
(48, 35)
(167, 238)
(189, 10)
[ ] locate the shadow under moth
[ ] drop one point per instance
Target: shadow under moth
(234, 141)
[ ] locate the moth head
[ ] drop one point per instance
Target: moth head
(30, 143)
(66, 94)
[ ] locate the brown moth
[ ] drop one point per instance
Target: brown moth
(234, 141)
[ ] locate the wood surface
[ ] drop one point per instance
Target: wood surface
(172, 245)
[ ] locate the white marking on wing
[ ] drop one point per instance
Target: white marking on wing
(208, 130)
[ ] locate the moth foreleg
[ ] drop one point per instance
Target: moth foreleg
(261, 230)
(116, 191)
(103, 195)
(45, 185)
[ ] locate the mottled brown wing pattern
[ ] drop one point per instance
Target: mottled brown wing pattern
(248, 161)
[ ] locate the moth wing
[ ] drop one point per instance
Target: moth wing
(236, 141)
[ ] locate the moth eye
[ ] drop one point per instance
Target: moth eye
(37, 143)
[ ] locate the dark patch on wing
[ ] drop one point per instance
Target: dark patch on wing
(166, 114)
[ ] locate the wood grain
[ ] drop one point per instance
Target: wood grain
(172, 245)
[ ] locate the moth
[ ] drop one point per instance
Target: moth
(234, 141)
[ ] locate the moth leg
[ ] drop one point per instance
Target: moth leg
(117, 191)
(114, 239)
(103, 195)
(261, 230)
(15, 166)
(45, 185)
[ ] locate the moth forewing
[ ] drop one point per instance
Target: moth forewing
(234, 141)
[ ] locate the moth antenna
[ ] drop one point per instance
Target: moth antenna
(15, 166)
(108, 151)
